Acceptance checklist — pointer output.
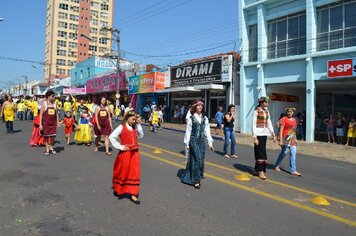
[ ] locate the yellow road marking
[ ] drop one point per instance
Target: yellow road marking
(261, 193)
(267, 180)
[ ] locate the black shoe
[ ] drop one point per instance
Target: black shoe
(197, 186)
(137, 202)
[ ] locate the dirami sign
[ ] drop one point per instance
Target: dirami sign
(342, 68)
(146, 83)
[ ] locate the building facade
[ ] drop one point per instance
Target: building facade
(74, 32)
(288, 52)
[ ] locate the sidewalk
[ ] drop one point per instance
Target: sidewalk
(318, 149)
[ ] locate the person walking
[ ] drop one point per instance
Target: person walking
(197, 129)
(8, 112)
(351, 133)
(83, 133)
(219, 119)
(102, 125)
(261, 128)
(288, 140)
(146, 112)
(229, 133)
(36, 139)
(48, 122)
(68, 122)
(126, 172)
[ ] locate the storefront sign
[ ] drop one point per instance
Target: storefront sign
(342, 68)
(146, 83)
(102, 84)
(105, 63)
(74, 91)
(283, 97)
(196, 73)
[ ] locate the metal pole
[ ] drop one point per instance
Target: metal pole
(118, 68)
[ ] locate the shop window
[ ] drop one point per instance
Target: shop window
(252, 55)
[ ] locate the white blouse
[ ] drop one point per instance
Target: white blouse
(188, 131)
(266, 131)
(115, 135)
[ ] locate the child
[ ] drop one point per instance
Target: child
(155, 119)
(83, 134)
(117, 113)
(36, 139)
(68, 124)
(351, 133)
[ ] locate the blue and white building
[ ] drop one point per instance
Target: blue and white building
(288, 48)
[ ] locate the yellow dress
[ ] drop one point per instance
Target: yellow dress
(9, 112)
(351, 133)
(35, 108)
(83, 134)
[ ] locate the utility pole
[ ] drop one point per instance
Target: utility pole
(118, 68)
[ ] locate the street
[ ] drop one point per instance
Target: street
(70, 193)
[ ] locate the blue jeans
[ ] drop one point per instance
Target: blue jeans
(293, 154)
(229, 134)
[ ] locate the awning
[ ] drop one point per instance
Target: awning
(195, 88)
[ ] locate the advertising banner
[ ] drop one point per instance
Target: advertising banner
(146, 83)
(74, 91)
(196, 73)
(342, 68)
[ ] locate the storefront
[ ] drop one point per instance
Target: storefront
(212, 80)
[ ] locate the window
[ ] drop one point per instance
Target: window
(103, 32)
(62, 24)
(72, 54)
(104, 7)
(60, 71)
(94, 4)
(61, 52)
(73, 36)
(336, 25)
(73, 17)
(102, 49)
(286, 36)
(252, 55)
(63, 6)
(94, 39)
(75, 1)
(104, 15)
(62, 15)
(61, 43)
(92, 48)
(94, 13)
(61, 62)
(104, 24)
(72, 44)
(74, 8)
(73, 26)
(103, 40)
(93, 30)
(62, 34)
(94, 22)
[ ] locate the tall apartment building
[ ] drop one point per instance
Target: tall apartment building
(74, 32)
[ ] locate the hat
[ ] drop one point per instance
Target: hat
(263, 99)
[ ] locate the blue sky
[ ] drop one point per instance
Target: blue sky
(164, 29)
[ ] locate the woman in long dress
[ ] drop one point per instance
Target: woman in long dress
(126, 173)
(102, 125)
(198, 129)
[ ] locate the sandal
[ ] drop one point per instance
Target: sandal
(277, 169)
(235, 156)
(197, 186)
(46, 153)
(297, 174)
(226, 156)
(108, 153)
(53, 152)
(96, 149)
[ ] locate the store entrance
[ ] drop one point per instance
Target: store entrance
(215, 103)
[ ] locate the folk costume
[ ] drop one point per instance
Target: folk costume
(261, 128)
(104, 122)
(68, 125)
(126, 172)
(83, 134)
(36, 139)
(197, 130)
(49, 120)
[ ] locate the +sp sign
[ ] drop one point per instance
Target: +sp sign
(342, 68)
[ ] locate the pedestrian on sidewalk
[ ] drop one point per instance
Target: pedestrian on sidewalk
(261, 128)
(198, 129)
(351, 133)
(229, 132)
(330, 124)
(102, 125)
(340, 123)
(126, 173)
(68, 122)
(288, 140)
(219, 119)
(49, 121)
(8, 112)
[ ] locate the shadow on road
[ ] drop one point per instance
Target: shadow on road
(18, 131)
(250, 169)
(58, 149)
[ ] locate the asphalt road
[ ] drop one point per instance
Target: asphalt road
(70, 193)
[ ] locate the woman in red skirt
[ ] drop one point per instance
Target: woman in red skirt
(102, 125)
(36, 139)
(48, 122)
(126, 173)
